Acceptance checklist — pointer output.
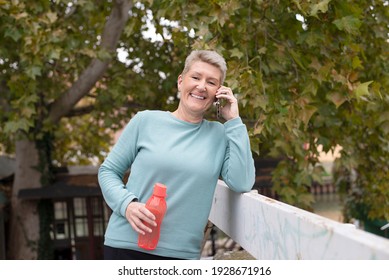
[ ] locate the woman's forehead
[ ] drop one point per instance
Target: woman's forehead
(204, 68)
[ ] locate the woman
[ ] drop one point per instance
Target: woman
(186, 153)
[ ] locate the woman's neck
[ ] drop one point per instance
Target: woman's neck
(182, 115)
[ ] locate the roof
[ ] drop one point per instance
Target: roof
(60, 190)
(71, 181)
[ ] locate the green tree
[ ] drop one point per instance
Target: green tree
(64, 92)
(52, 55)
(318, 79)
(309, 74)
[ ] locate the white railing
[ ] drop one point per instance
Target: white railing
(272, 230)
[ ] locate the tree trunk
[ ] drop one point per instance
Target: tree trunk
(24, 229)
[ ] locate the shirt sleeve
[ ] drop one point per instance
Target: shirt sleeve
(115, 165)
(238, 170)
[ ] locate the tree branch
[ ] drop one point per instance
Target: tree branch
(4, 105)
(110, 37)
(80, 111)
(88, 109)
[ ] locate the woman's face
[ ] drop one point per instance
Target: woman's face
(198, 87)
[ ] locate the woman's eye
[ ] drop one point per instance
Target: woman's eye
(196, 78)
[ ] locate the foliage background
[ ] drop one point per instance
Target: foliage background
(307, 73)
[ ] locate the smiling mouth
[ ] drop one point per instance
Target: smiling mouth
(197, 96)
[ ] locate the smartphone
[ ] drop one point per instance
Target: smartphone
(217, 104)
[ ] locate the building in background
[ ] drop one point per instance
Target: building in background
(80, 213)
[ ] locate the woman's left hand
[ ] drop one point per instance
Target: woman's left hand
(230, 109)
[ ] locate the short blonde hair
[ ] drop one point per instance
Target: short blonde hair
(207, 56)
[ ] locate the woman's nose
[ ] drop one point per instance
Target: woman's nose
(201, 86)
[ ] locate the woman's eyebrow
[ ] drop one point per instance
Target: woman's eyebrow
(210, 78)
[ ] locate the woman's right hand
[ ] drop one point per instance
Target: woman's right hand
(137, 214)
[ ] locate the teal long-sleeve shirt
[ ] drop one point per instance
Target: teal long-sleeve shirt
(189, 159)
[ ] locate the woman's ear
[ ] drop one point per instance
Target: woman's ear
(179, 82)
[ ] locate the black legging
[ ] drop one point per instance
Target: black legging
(126, 254)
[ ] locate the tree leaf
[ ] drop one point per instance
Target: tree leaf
(337, 98)
(236, 53)
(19, 16)
(362, 89)
(13, 33)
(310, 88)
(54, 53)
(306, 114)
(20, 124)
(385, 127)
(262, 50)
(297, 58)
(384, 117)
(33, 71)
(357, 63)
(52, 17)
(322, 6)
(349, 24)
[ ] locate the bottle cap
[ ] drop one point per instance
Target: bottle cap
(160, 189)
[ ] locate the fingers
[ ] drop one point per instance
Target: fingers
(140, 218)
(226, 93)
(230, 110)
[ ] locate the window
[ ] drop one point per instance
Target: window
(79, 226)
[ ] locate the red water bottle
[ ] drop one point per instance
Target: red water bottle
(156, 204)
